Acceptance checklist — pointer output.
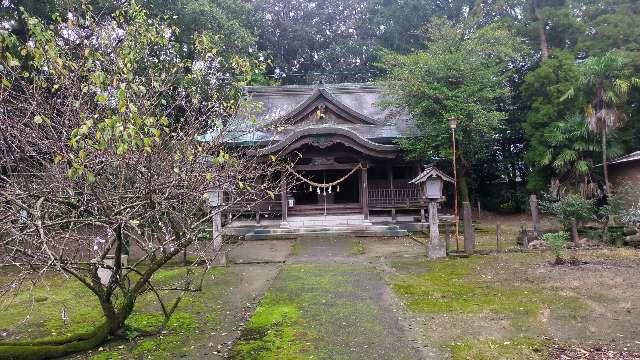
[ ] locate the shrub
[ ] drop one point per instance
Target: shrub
(573, 206)
(631, 216)
(557, 242)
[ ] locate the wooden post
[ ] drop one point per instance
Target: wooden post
(469, 236)
(393, 193)
(436, 249)
(498, 240)
(533, 202)
(447, 235)
(365, 193)
(479, 211)
(285, 201)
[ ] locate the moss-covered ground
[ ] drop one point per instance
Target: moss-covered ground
(36, 312)
(508, 306)
(323, 311)
(366, 299)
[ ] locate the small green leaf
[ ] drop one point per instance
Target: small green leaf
(90, 177)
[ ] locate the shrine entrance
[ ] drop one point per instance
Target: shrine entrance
(346, 192)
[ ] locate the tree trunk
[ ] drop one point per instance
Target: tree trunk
(463, 186)
(542, 34)
(607, 185)
(52, 348)
(605, 167)
(574, 231)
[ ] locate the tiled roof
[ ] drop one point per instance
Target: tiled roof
(634, 156)
(383, 125)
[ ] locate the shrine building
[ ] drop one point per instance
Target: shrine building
(347, 166)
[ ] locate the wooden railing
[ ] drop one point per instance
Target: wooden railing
(266, 206)
(406, 198)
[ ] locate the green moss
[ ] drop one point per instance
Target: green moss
(357, 247)
(449, 287)
(319, 311)
(28, 319)
(521, 348)
(273, 332)
(107, 355)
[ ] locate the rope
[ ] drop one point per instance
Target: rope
(312, 183)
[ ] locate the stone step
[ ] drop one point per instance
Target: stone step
(310, 232)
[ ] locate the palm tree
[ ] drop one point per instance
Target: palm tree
(608, 82)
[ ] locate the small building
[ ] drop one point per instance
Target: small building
(334, 134)
(625, 171)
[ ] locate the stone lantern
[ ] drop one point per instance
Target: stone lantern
(216, 198)
(431, 180)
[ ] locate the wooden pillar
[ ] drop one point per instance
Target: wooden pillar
(533, 202)
(393, 193)
(447, 235)
(285, 201)
(364, 188)
(259, 182)
(469, 236)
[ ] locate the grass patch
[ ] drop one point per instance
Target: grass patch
(357, 247)
(180, 326)
(35, 313)
(449, 287)
(273, 332)
(520, 348)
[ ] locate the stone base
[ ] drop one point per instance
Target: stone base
(319, 231)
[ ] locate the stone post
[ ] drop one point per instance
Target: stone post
(284, 198)
(105, 272)
(469, 235)
(436, 249)
(533, 202)
(221, 256)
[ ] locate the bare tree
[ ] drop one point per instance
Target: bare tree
(110, 140)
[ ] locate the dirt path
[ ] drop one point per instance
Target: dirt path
(234, 307)
(346, 310)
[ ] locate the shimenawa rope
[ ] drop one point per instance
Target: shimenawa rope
(318, 185)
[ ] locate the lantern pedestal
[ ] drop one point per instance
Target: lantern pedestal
(220, 256)
(437, 247)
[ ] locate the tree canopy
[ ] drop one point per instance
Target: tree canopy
(309, 42)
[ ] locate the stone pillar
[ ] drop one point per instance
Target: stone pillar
(285, 201)
(436, 249)
(469, 235)
(364, 189)
(221, 256)
(535, 217)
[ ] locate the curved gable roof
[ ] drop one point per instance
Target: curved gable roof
(337, 134)
(322, 96)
